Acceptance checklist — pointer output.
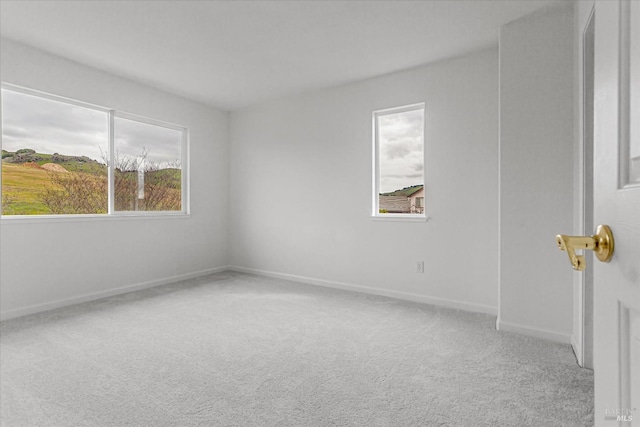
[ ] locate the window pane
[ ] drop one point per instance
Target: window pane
(148, 173)
(53, 156)
(400, 151)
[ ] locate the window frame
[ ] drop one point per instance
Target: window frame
(375, 211)
(111, 114)
(183, 176)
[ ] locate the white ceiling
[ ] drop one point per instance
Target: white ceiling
(232, 54)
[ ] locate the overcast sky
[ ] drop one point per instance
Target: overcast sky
(49, 127)
(131, 137)
(401, 142)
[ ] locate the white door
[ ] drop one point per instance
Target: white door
(616, 355)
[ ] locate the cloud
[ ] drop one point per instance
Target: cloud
(133, 137)
(401, 144)
(49, 126)
(396, 151)
(12, 132)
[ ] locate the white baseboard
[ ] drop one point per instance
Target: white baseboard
(444, 302)
(533, 332)
(37, 308)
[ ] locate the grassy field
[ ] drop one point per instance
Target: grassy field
(22, 188)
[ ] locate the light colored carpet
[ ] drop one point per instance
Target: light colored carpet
(239, 350)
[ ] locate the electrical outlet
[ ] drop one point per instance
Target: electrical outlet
(420, 267)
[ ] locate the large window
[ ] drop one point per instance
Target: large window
(398, 162)
(63, 157)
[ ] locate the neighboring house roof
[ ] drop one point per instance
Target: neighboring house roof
(406, 192)
(394, 204)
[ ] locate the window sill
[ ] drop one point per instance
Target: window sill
(400, 218)
(42, 219)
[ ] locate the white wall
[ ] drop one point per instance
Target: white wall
(536, 179)
(48, 264)
(300, 187)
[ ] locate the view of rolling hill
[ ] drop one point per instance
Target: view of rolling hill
(38, 183)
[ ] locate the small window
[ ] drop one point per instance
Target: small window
(56, 151)
(398, 179)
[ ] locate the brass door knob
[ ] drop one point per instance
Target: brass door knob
(601, 243)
